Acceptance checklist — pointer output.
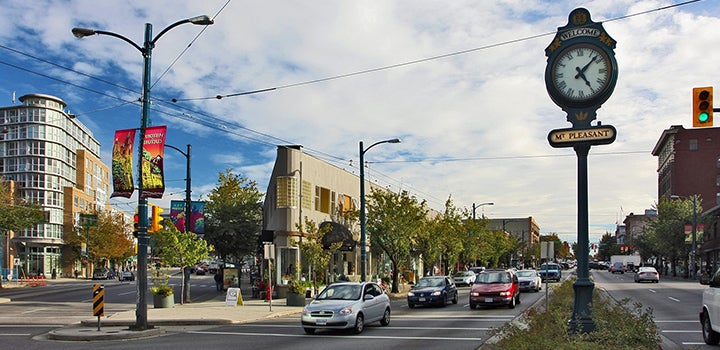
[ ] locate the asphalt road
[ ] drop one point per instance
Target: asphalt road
(455, 326)
(675, 304)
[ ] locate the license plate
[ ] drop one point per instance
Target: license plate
(320, 322)
(488, 300)
(421, 299)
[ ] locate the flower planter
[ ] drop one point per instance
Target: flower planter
(163, 301)
(295, 299)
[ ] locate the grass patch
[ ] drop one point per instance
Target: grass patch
(618, 325)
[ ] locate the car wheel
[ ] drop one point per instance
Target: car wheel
(386, 318)
(473, 306)
(412, 306)
(512, 303)
(709, 335)
(359, 324)
(309, 330)
(444, 301)
(518, 298)
(455, 299)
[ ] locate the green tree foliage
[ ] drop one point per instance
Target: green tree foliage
(233, 214)
(108, 242)
(182, 249)
(313, 252)
(394, 221)
(449, 226)
(472, 244)
(665, 237)
(16, 213)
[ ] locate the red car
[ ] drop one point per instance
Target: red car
(495, 288)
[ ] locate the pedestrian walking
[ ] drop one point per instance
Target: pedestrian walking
(219, 280)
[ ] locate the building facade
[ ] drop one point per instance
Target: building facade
(688, 165)
(635, 227)
(55, 161)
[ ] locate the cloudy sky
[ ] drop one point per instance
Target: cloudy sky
(460, 82)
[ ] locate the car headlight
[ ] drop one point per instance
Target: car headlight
(411, 294)
(436, 293)
(305, 311)
(346, 311)
(475, 294)
(504, 294)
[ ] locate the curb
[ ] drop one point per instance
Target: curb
(111, 333)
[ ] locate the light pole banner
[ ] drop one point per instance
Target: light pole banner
(122, 163)
(153, 182)
(197, 216)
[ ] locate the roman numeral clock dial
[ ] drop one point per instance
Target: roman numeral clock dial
(581, 73)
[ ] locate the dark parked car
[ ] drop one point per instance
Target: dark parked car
(495, 287)
(433, 290)
(550, 271)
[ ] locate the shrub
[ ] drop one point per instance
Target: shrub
(618, 325)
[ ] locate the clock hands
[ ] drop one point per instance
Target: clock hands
(581, 72)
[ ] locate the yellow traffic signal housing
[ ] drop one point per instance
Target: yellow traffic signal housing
(702, 107)
(155, 219)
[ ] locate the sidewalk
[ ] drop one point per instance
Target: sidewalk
(162, 320)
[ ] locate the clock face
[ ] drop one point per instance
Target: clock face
(581, 73)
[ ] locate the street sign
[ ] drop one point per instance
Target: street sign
(570, 137)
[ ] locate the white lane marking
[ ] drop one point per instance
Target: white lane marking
(674, 299)
(35, 310)
(126, 293)
(336, 337)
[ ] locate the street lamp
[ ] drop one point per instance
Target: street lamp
(694, 233)
(146, 51)
(188, 201)
(363, 230)
(480, 205)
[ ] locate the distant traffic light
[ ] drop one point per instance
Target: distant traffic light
(702, 106)
(155, 219)
(136, 225)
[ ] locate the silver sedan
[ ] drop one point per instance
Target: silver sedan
(349, 305)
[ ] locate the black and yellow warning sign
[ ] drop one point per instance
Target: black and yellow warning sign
(98, 300)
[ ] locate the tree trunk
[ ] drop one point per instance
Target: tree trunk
(185, 292)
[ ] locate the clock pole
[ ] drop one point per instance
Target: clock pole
(580, 76)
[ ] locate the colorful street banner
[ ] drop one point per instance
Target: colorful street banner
(153, 182)
(122, 157)
(197, 216)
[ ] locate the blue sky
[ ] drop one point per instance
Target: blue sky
(473, 120)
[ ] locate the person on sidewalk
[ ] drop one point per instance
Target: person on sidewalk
(219, 280)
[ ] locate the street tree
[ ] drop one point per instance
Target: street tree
(394, 221)
(16, 213)
(474, 229)
(448, 227)
(666, 235)
(108, 243)
(183, 249)
(314, 253)
(233, 214)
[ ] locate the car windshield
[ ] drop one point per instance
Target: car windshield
(526, 273)
(463, 274)
(493, 277)
(340, 292)
(549, 267)
(429, 282)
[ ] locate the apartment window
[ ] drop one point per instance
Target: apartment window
(324, 200)
(693, 144)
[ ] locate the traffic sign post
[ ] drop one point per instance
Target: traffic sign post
(98, 302)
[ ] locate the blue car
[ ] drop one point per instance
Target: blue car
(433, 290)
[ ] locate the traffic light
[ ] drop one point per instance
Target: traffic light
(136, 225)
(155, 219)
(702, 106)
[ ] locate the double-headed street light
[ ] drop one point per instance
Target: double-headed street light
(363, 230)
(694, 234)
(146, 51)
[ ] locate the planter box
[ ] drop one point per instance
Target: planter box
(163, 301)
(294, 299)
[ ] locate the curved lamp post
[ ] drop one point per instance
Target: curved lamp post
(363, 230)
(480, 205)
(146, 51)
(693, 266)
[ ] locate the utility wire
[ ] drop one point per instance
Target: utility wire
(422, 60)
